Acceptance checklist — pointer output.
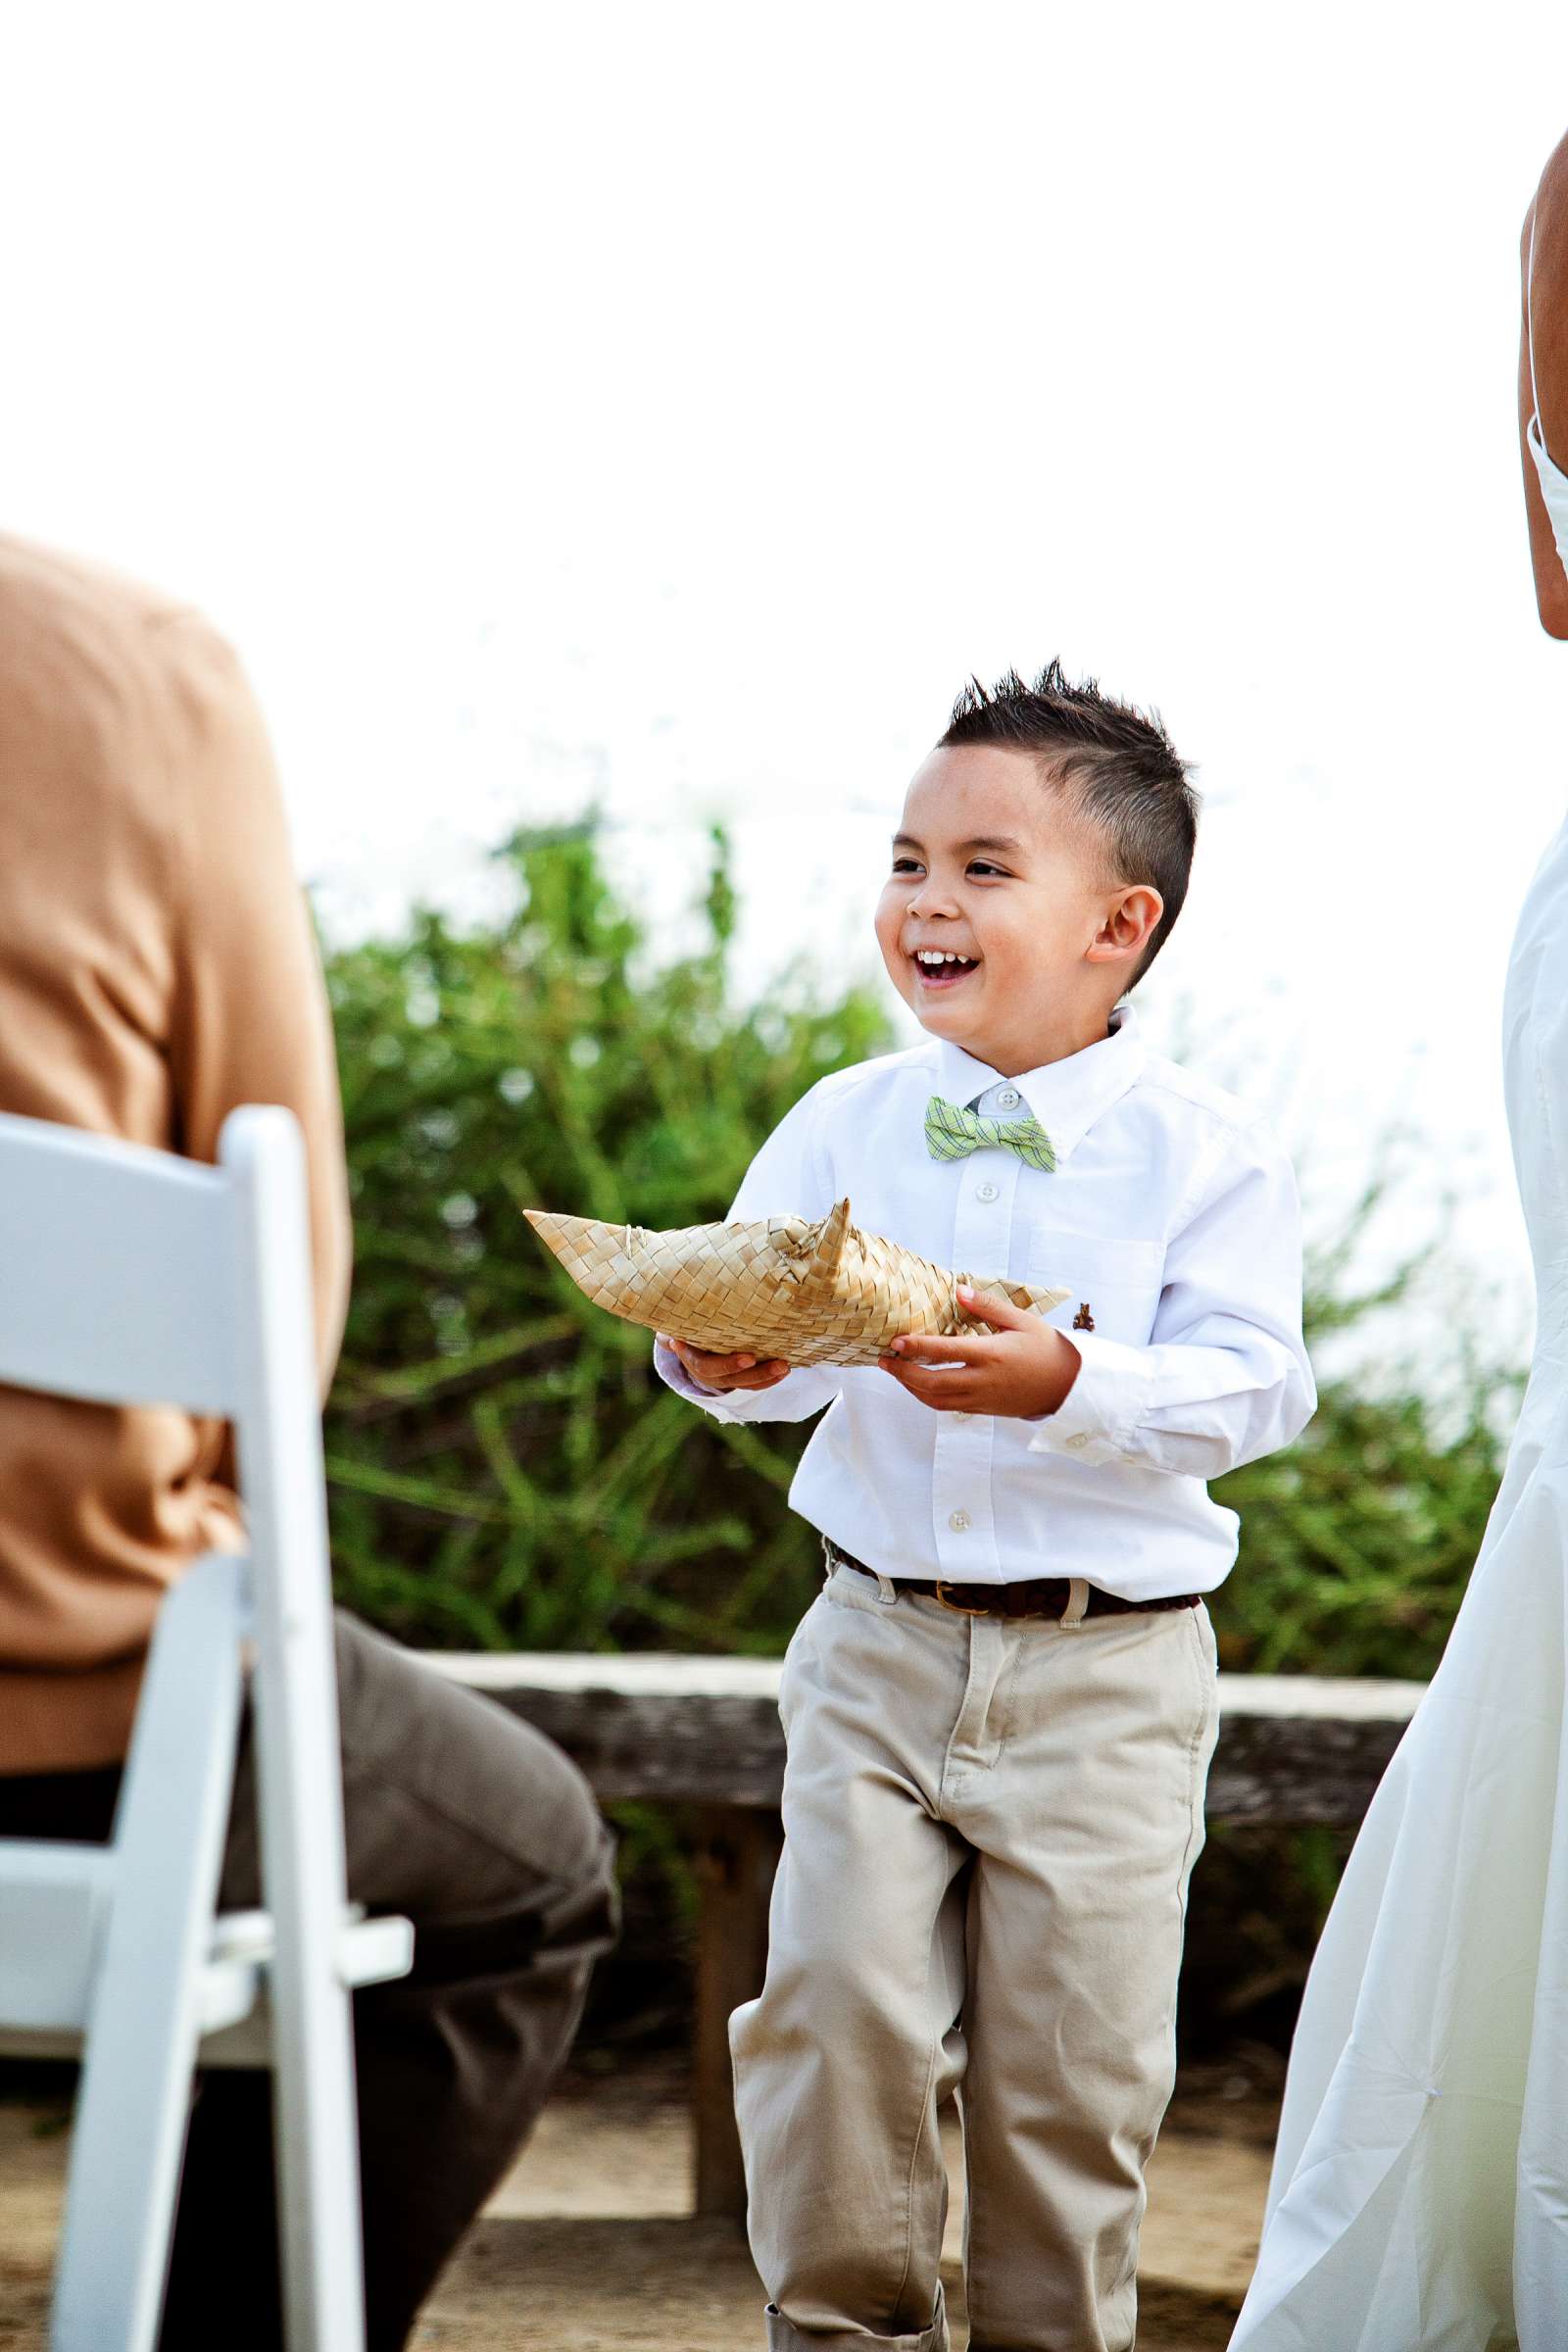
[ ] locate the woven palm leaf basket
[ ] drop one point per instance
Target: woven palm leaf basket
(810, 1291)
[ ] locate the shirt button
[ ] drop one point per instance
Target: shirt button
(957, 1521)
(963, 1416)
(1009, 1097)
(1081, 1439)
(985, 1192)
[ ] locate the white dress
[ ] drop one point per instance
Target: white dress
(1419, 2198)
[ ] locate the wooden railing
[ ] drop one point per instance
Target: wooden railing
(705, 1732)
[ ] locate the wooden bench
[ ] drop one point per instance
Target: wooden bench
(1292, 1749)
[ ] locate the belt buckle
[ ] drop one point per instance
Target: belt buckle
(956, 1606)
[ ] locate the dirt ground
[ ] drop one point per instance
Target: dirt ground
(588, 2247)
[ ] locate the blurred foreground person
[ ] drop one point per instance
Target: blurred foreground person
(1420, 2188)
(157, 969)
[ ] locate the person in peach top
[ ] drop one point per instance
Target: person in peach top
(157, 969)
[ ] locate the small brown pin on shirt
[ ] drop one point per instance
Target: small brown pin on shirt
(1084, 1319)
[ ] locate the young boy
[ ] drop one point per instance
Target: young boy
(1001, 1710)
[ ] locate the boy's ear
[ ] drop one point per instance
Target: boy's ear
(1129, 925)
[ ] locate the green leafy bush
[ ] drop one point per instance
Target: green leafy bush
(1358, 1540)
(506, 1470)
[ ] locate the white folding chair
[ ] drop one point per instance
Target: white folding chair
(132, 1277)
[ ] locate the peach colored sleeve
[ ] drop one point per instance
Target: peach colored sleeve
(250, 1018)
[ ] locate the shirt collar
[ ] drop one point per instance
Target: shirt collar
(1067, 1097)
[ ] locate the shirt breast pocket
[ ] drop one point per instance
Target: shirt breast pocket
(1113, 1285)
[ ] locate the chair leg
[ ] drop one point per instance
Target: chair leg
(294, 1694)
(145, 2017)
(316, 2126)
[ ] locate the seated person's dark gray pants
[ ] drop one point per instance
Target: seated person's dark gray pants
(482, 1833)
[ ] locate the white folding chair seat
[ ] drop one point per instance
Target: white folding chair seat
(132, 1277)
(54, 1902)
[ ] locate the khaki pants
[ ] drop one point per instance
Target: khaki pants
(989, 1829)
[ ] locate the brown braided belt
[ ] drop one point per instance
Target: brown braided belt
(1035, 1596)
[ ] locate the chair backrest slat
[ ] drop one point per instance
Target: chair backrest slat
(116, 1272)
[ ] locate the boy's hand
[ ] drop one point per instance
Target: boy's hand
(721, 1372)
(1021, 1366)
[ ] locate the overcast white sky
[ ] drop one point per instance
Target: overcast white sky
(673, 404)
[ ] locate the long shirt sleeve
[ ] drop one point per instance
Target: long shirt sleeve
(1225, 1378)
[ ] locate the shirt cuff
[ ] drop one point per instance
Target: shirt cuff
(1098, 1418)
(673, 1373)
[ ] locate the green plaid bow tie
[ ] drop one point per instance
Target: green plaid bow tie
(952, 1133)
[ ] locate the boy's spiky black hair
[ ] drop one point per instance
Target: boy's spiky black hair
(1118, 764)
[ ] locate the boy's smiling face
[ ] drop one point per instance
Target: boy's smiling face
(992, 865)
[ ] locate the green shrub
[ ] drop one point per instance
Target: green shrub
(1358, 1540)
(506, 1470)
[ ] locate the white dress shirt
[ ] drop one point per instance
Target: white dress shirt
(1173, 1214)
